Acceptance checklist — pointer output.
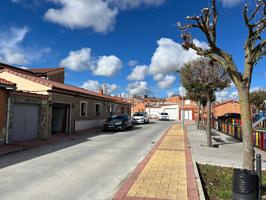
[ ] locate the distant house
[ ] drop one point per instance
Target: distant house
(138, 105)
(171, 105)
(41, 107)
(230, 106)
(52, 74)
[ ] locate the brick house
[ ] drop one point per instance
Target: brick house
(54, 107)
(53, 74)
(5, 88)
(171, 105)
(230, 106)
(138, 105)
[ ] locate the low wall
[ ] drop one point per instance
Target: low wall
(88, 124)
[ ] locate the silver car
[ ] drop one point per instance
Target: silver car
(141, 118)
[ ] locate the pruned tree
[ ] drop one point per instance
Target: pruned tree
(202, 78)
(254, 47)
(257, 98)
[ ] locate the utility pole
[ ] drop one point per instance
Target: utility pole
(183, 113)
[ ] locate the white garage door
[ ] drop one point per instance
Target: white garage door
(172, 112)
(188, 114)
(25, 122)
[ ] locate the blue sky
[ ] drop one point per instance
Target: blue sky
(132, 45)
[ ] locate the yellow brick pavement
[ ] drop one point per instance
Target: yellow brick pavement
(164, 176)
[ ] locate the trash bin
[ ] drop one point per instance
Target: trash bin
(245, 185)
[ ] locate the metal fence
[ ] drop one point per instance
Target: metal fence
(233, 128)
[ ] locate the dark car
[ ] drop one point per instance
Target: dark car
(118, 122)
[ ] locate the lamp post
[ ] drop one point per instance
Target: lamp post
(182, 104)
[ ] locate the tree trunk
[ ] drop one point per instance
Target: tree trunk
(208, 128)
(198, 115)
(246, 128)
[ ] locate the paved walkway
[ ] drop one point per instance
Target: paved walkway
(229, 153)
(164, 173)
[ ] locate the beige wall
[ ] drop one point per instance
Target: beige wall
(23, 84)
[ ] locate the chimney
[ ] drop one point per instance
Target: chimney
(100, 91)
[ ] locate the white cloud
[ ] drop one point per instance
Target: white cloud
(132, 63)
(99, 15)
(230, 3)
(222, 95)
(182, 90)
(82, 60)
(138, 73)
(170, 93)
(234, 95)
(138, 88)
(169, 57)
(12, 56)
(201, 44)
(12, 50)
(91, 85)
(79, 60)
(166, 82)
(95, 14)
(95, 86)
(129, 4)
(158, 77)
(255, 89)
(107, 66)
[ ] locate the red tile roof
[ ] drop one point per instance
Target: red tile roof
(7, 83)
(61, 86)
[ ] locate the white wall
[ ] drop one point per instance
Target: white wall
(88, 124)
(172, 111)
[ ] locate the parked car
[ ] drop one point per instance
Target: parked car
(141, 118)
(118, 122)
(163, 116)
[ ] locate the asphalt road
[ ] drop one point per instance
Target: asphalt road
(90, 168)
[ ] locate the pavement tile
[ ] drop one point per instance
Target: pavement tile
(164, 176)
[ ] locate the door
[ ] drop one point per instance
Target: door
(25, 122)
(172, 113)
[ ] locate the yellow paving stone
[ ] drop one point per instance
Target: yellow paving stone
(164, 176)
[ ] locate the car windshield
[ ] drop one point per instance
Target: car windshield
(115, 117)
(164, 113)
(138, 114)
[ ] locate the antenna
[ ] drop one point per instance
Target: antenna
(105, 88)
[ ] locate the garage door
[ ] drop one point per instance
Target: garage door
(187, 114)
(25, 122)
(172, 112)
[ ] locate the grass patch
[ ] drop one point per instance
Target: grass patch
(217, 181)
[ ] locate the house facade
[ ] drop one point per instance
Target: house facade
(171, 105)
(5, 88)
(230, 106)
(53, 107)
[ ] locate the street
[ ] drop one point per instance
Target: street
(86, 169)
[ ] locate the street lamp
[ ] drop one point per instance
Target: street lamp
(182, 104)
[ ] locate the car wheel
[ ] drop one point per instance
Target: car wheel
(124, 127)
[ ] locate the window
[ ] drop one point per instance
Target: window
(97, 109)
(83, 108)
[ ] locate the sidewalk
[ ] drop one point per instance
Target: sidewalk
(228, 154)
(165, 173)
(6, 149)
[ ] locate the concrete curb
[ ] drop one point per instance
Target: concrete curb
(194, 188)
(196, 171)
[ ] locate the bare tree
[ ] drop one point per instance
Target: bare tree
(254, 50)
(202, 78)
